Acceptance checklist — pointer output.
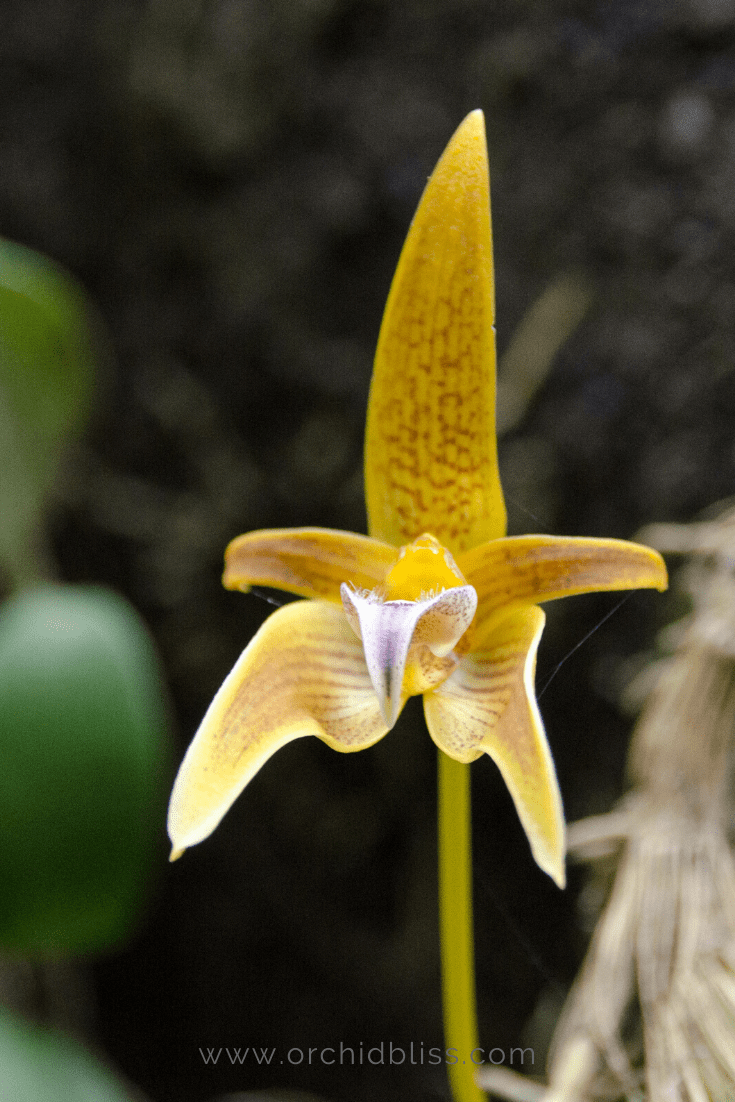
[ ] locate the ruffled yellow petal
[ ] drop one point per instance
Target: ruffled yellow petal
(520, 569)
(302, 674)
(430, 451)
(312, 562)
(489, 704)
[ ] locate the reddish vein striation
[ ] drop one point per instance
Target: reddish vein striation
(312, 562)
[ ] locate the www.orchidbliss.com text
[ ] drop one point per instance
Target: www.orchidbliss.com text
(385, 1053)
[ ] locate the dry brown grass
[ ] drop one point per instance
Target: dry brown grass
(652, 1012)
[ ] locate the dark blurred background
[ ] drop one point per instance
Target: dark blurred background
(231, 181)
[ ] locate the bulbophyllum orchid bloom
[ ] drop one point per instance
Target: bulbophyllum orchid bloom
(436, 600)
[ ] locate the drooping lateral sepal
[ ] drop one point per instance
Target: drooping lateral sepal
(489, 705)
(302, 674)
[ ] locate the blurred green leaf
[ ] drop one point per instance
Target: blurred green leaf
(83, 745)
(47, 368)
(38, 1065)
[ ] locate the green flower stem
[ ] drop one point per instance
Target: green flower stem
(455, 926)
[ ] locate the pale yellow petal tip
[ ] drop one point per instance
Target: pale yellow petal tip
(463, 143)
(176, 853)
(656, 574)
(663, 582)
(231, 577)
(553, 864)
(558, 874)
(230, 581)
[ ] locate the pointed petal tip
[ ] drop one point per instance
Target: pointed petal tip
(390, 697)
(390, 708)
(470, 131)
(228, 582)
(176, 853)
(652, 568)
(555, 869)
(549, 852)
(663, 582)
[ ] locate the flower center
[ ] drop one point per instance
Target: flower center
(423, 567)
(410, 625)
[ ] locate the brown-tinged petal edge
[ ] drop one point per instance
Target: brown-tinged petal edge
(519, 570)
(489, 705)
(312, 562)
(303, 673)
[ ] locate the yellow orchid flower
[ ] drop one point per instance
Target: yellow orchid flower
(437, 600)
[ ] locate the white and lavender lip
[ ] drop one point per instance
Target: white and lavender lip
(388, 629)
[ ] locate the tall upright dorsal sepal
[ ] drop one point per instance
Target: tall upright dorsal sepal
(431, 461)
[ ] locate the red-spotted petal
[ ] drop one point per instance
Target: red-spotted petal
(431, 460)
